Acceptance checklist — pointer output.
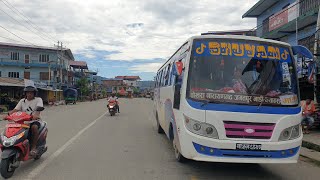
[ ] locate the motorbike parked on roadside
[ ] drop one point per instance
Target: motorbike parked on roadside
(15, 141)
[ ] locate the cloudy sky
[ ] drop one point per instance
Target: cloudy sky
(120, 37)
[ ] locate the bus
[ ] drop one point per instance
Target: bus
(229, 98)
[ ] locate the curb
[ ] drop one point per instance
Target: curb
(311, 145)
(311, 155)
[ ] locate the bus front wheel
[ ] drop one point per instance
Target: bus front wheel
(159, 128)
(179, 157)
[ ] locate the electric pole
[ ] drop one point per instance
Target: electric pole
(316, 44)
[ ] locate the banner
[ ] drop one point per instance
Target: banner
(284, 16)
(289, 99)
(241, 50)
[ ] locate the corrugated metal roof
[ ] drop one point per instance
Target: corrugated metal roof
(259, 8)
(14, 82)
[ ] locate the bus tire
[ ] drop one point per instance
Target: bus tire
(179, 157)
(159, 128)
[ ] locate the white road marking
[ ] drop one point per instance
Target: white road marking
(46, 162)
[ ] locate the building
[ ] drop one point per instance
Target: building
(78, 70)
(146, 86)
(292, 21)
(248, 32)
(131, 81)
(43, 65)
(114, 85)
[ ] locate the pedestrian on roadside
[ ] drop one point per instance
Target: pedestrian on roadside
(308, 110)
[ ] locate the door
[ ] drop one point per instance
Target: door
(27, 75)
(27, 58)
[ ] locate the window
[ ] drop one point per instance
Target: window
(162, 78)
(44, 58)
(44, 76)
(167, 77)
(14, 56)
(0, 73)
(13, 74)
(27, 57)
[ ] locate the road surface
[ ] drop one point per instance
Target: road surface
(85, 143)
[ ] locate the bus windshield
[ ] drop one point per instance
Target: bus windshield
(231, 71)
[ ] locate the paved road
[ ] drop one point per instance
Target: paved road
(84, 143)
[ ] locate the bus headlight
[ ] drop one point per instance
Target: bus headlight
(290, 133)
(201, 128)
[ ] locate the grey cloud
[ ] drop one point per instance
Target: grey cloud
(134, 25)
(169, 10)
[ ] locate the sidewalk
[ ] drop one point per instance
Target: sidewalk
(311, 146)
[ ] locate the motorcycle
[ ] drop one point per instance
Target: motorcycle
(112, 108)
(15, 143)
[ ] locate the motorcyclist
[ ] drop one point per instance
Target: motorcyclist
(114, 98)
(29, 105)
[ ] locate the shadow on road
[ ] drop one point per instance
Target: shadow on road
(229, 170)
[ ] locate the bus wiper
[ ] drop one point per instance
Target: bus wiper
(207, 102)
(261, 103)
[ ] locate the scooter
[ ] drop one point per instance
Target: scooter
(15, 143)
(112, 108)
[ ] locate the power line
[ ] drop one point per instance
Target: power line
(17, 36)
(5, 2)
(9, 39)
(23, 25)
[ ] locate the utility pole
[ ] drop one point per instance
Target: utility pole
(316, 42)
(61, 65)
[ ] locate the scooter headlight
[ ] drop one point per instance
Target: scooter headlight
(10, 141)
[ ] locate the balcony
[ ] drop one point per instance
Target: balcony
(30, 63)
(308, 5)
(79, 74)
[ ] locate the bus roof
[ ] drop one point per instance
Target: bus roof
(239, 37)
(229, 37)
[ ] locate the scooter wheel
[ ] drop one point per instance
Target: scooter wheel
(6, 172)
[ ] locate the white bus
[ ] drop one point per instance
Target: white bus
(231, 99)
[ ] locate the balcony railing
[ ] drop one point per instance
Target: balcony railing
(307, 5)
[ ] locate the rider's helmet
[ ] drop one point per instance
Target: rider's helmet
(30, 89)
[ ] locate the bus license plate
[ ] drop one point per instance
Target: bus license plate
(248, 147)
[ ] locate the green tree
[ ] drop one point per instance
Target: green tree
(104, 92)
(83, 85)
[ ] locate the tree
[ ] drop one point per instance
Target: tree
(104, 93)
(83, 84)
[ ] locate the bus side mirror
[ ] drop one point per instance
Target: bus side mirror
(302, 50)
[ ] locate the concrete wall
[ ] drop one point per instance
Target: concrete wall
(6, 69)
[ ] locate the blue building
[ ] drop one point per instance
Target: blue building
(35, 63)
(292, 21)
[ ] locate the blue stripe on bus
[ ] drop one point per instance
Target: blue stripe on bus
(233, 153)
(244, 108)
